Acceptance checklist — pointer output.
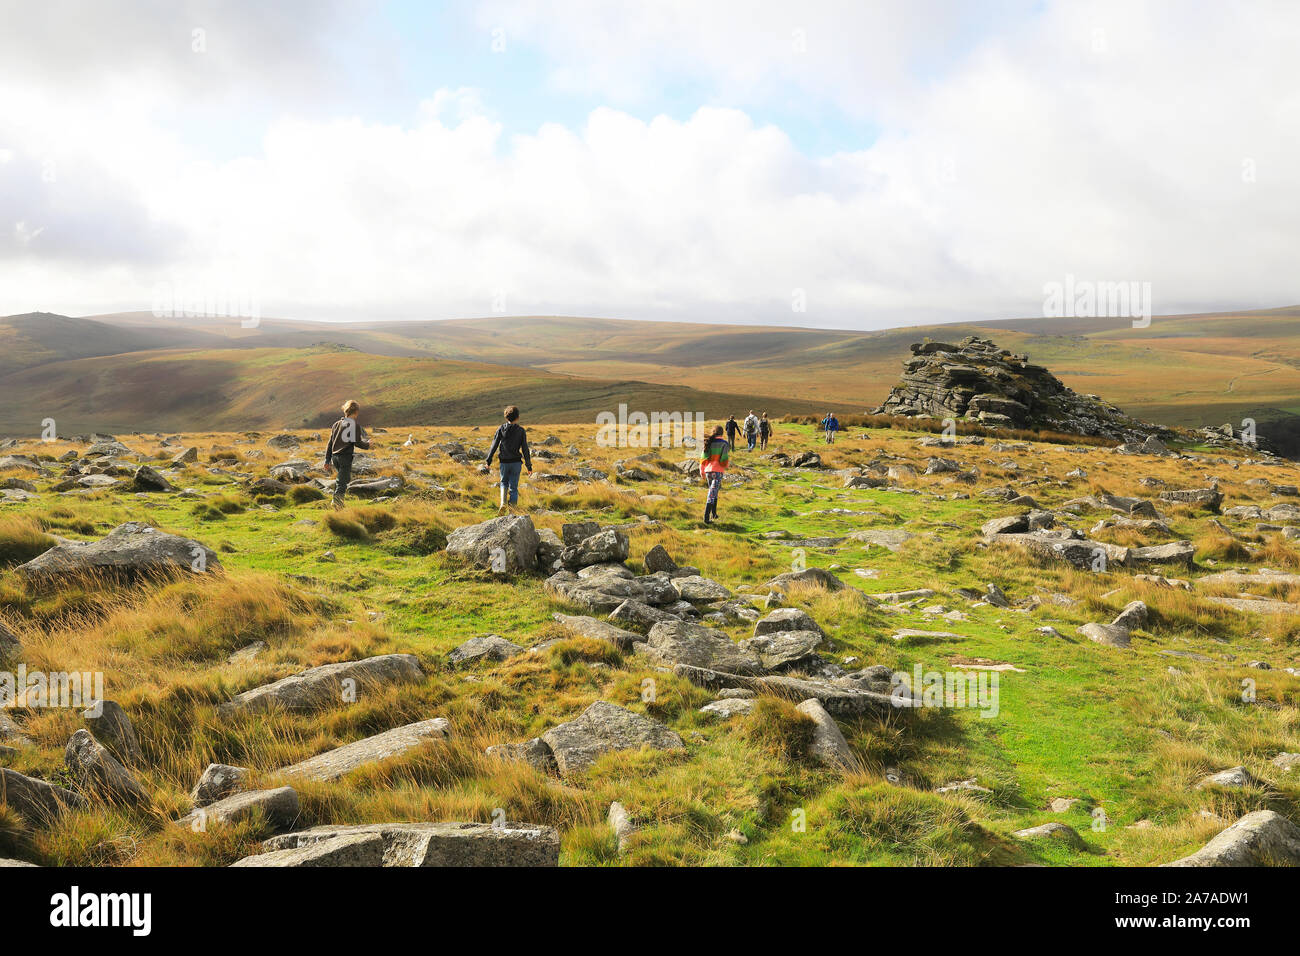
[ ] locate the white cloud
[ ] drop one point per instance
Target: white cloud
(1112, 141)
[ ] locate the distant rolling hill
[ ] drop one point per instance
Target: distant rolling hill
(39, 338)
(237, 389)
(1189, 370)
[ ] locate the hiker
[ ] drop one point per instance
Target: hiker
(713, 465)
(732, 429)
(751, 429)
(345, 438)
(764, 432)
(512, 441)
(832, 425)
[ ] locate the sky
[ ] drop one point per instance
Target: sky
(830, 164)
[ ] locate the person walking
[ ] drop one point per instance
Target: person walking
(832, 425)
(751, 429)
(346, 436)
(764, 432)
(732, 429)
(511, 440)
(713, 465)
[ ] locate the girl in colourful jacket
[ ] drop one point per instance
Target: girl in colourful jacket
(713, 465)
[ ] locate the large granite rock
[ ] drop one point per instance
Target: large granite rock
(1117, 632)
(679, 642)
(98, 771)
(1080, 552)
(37, 800)
(489, 647)
(845, 697)
(813, 577)
(605, 728)
(219, 781)
(130, 551)
(507, 544)
(328, 684)
(1211, 499)
(610, 546)
(600, 589)
(828, 744)
(599, 630)
(279, 807)
(343, 760)
(113, 728)
(1261, 838)
(412, 844)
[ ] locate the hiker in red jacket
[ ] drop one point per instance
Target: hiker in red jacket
(714, 454)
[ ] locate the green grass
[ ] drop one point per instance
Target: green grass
(1112, 729)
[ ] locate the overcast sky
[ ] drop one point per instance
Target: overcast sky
(881, 164)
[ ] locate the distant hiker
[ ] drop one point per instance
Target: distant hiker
(713, 465)
(732, 429)
(764, 432)
(345, 438)
(831, 424)
(512, 440)
(751, 429)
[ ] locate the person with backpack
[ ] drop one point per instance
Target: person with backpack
(732, 429)
(764, 432)
(346, 436)
(511, 440)
(751, 429)
(714, 454)
(832, 425)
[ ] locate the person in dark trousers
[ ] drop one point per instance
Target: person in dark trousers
(764, 432)
(511, 440)
(345, 438)
(732, 429)
(751, 429)
(713, 465)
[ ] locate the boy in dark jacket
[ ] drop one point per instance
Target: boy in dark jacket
(345, 438)
(511, 440)
(732, 429)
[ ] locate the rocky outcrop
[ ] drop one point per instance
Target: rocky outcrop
(976, 380)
